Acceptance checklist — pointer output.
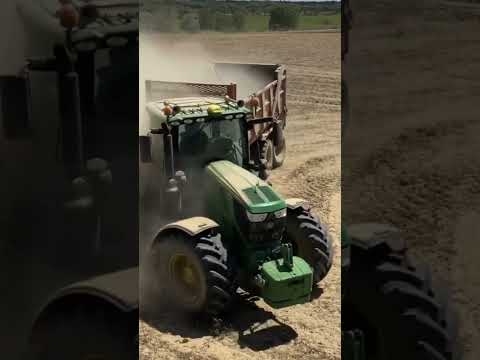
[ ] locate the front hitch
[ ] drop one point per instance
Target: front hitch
(285, 261)
(285, 281)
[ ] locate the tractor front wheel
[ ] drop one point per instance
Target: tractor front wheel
(194, 273)
(310, 241)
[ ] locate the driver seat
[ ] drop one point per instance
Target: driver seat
(193, 144)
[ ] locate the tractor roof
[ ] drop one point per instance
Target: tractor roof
(201, 108)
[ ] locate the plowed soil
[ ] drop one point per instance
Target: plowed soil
(412, 148)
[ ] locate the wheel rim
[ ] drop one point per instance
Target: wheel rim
(185, 274)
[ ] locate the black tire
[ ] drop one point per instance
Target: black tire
(396, 307)
(214, 270)
(279, 154)
(310, 241)
(279, 147)
(267, 152)
(85, 331)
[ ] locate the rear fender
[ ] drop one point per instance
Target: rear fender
(117, 291)
(191, 227)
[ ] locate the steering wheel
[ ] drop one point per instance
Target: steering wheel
(224, 146)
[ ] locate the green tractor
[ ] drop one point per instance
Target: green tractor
(226, 228)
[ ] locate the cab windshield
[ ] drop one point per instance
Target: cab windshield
(213, 140)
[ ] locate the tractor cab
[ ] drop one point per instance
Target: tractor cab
(187, 135)
(203, 129)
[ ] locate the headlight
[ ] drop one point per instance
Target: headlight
(256, 217)
(281, 213)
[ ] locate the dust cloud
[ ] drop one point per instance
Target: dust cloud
(166, 59)
(176, 59)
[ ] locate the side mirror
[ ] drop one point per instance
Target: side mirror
(145, 143)
(253, 122)
(15, 106)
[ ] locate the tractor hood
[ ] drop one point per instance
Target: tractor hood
(253, 193)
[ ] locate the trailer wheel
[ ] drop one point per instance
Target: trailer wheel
(393, 304)
(194, 274)
(85, 331)
(267, 153)
(310, 241)
(279, 146)
(279, 154)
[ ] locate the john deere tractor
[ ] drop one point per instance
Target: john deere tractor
(226, 228)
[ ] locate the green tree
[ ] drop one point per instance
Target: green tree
(207, 19)
(190, 23)
(283, 18)
(223, 22)
(239, 19)
(166, 18)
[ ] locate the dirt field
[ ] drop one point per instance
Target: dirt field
(413, 145)
(311, 171)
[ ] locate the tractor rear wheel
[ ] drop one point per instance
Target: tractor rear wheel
(393, 303)
(194, 273)
(310, 241)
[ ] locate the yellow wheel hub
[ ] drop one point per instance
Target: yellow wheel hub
(184, 272)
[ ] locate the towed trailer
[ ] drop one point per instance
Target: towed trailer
(261, 87)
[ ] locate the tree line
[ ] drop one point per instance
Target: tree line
(195, 15)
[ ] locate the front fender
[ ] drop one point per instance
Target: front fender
(295, 203)
(191, 226)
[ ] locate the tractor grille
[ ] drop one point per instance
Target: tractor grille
(268, 231)
(260, 234)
